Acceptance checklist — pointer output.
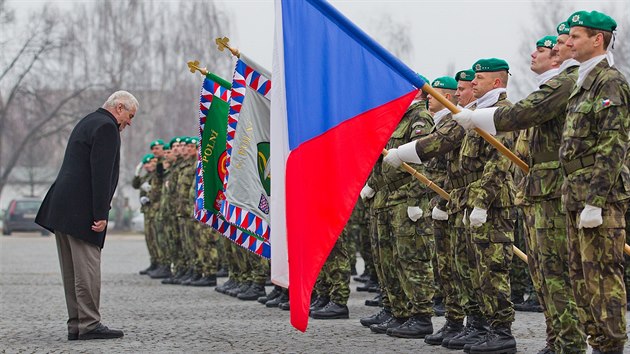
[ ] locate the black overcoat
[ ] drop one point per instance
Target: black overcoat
(85, 185)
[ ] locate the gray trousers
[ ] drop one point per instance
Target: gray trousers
(80, 263)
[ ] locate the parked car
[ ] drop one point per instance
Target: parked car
(20, 216)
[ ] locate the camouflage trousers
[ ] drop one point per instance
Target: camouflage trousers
(161, 238)
(257, 268)
(409, 274)
(207, 252)
(448, 279)
(548, 261)
(191, 241)
(149, 237)
(520, 280)
(365, 250)
(596, 271)
(382, 251)
(174, 243)
(333, 281)
(492, 244)
(238, 263)
(465, 265)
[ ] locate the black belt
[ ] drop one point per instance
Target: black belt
(394, 186)
(466, 180)
(545, 157)
(582, 162)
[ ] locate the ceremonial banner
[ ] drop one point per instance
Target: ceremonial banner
(211, 162)
(247, 183)
(337, 98)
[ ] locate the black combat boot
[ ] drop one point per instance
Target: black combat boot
(379, 317)
(195, 277)
(448, 331)
(377, 301)
(161, 272)
(331, 311)
(498, 341)
(392, 322)
(417, 326)
(254, 292)
(319, 303)
(222, 273)
(362, 278)
(546, 350)
(209, 280)
(474, 332)
(285, 306)
(284, 297)
(240, 289)
(173, 279)
(153, 266)
(229, 284)
(438, 306)
(615, 351)
(277, 290)
(184, 277)
(530, 305)
(368, 284)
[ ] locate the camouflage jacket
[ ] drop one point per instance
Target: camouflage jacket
(167, 197)
(543, 114)
(136, 183)
(597, 125)
(391, 183)
(444, 143)
(495, 187)
(415, 123)
(185, 179)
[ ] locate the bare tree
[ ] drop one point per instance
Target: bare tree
(393, 34)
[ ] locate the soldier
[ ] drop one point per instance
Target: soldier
(163, 235)
(406, 244)
(141, 182)
(490, 195)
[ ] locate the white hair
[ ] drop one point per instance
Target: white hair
(123, 97)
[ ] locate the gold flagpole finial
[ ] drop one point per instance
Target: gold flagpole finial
(223, 43)
(194, 66)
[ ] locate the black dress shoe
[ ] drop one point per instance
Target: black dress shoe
(417, 326)
(252, 293)
(209, 280)
(377, 301)
(73, 336)
(331, 311)
(377, 318)
(101, 332)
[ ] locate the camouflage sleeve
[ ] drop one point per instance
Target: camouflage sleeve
(375, 179)
(546, 103)
(496, 173)
(447, 137)
(612, 121)
(136, 182)
(415, 189)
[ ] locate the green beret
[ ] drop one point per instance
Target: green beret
(547, 42)
(445, 82)
(465, 75)
(175, 140)
(185, 139)
(424, 79)
(167, 146)
(156, 142)
(563, 28)
(593, 19)
(192, 140)
(147, 158)
(490, 65)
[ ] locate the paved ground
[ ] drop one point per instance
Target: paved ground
(161, 318)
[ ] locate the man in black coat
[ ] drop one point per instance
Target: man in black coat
(76, 209)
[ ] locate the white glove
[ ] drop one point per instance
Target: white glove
(367, 192)
(139, 169)
(146, 187)
(438, 214)
(591, 216)
(144, 200)
(414, 213)
(404, 153)
(482, 118)
(478, 217)
(465, 218)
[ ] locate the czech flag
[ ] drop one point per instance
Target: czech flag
(336, 99)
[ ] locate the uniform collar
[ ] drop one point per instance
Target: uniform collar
(593, 73)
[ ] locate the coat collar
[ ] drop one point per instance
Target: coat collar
(109, 114)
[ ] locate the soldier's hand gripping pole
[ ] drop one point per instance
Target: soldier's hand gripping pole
(489, 138)
(427, 182)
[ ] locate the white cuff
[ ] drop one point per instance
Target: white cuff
(483, 118)
(407, 152)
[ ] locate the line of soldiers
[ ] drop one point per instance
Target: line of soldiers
(568, 211)
(573, 132)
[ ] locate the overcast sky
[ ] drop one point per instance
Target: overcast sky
(443, 32)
